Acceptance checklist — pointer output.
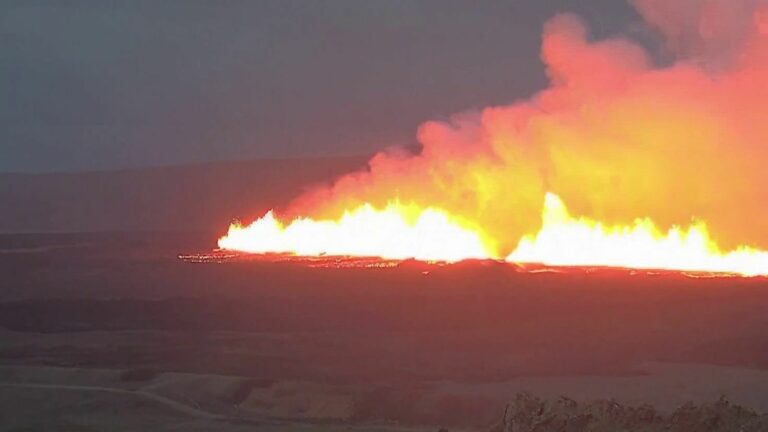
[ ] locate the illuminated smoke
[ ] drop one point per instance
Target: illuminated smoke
(620, 162)
(615, 136)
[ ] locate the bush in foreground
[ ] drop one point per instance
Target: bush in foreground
(531, 414)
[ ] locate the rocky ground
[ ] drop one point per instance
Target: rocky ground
(113, 331)
(527, 413)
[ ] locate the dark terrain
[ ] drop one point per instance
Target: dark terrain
(174, 198)
(112, 331)
(415, 343)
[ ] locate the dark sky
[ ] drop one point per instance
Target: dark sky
(105, 84)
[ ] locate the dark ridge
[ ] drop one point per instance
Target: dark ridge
(190, 197)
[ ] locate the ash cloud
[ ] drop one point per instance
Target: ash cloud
(616, 136)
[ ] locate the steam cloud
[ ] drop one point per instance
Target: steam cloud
(614, 135)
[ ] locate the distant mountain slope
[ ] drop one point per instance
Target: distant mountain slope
(202, 197)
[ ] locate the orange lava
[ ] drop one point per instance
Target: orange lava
(401, 232)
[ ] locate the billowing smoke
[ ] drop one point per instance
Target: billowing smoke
(615, 136)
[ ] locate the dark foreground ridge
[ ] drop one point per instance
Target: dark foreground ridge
(528, 413)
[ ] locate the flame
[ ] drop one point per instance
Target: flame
(615, 134)
(567, 241)
(396, 232)
(401, 232)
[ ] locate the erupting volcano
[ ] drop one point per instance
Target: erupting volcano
(628, 159)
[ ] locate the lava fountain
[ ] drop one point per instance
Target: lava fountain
(399, 232)
(661, 164)
(395, 232)
(567, 241)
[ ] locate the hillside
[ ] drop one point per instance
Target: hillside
(202, 197)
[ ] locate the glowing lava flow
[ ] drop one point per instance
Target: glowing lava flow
(396, 232)
(567, 241)
(401, 232)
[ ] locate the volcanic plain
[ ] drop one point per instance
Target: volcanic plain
(116, 329)
(113, 330)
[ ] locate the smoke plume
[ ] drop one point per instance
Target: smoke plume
(614, 135)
